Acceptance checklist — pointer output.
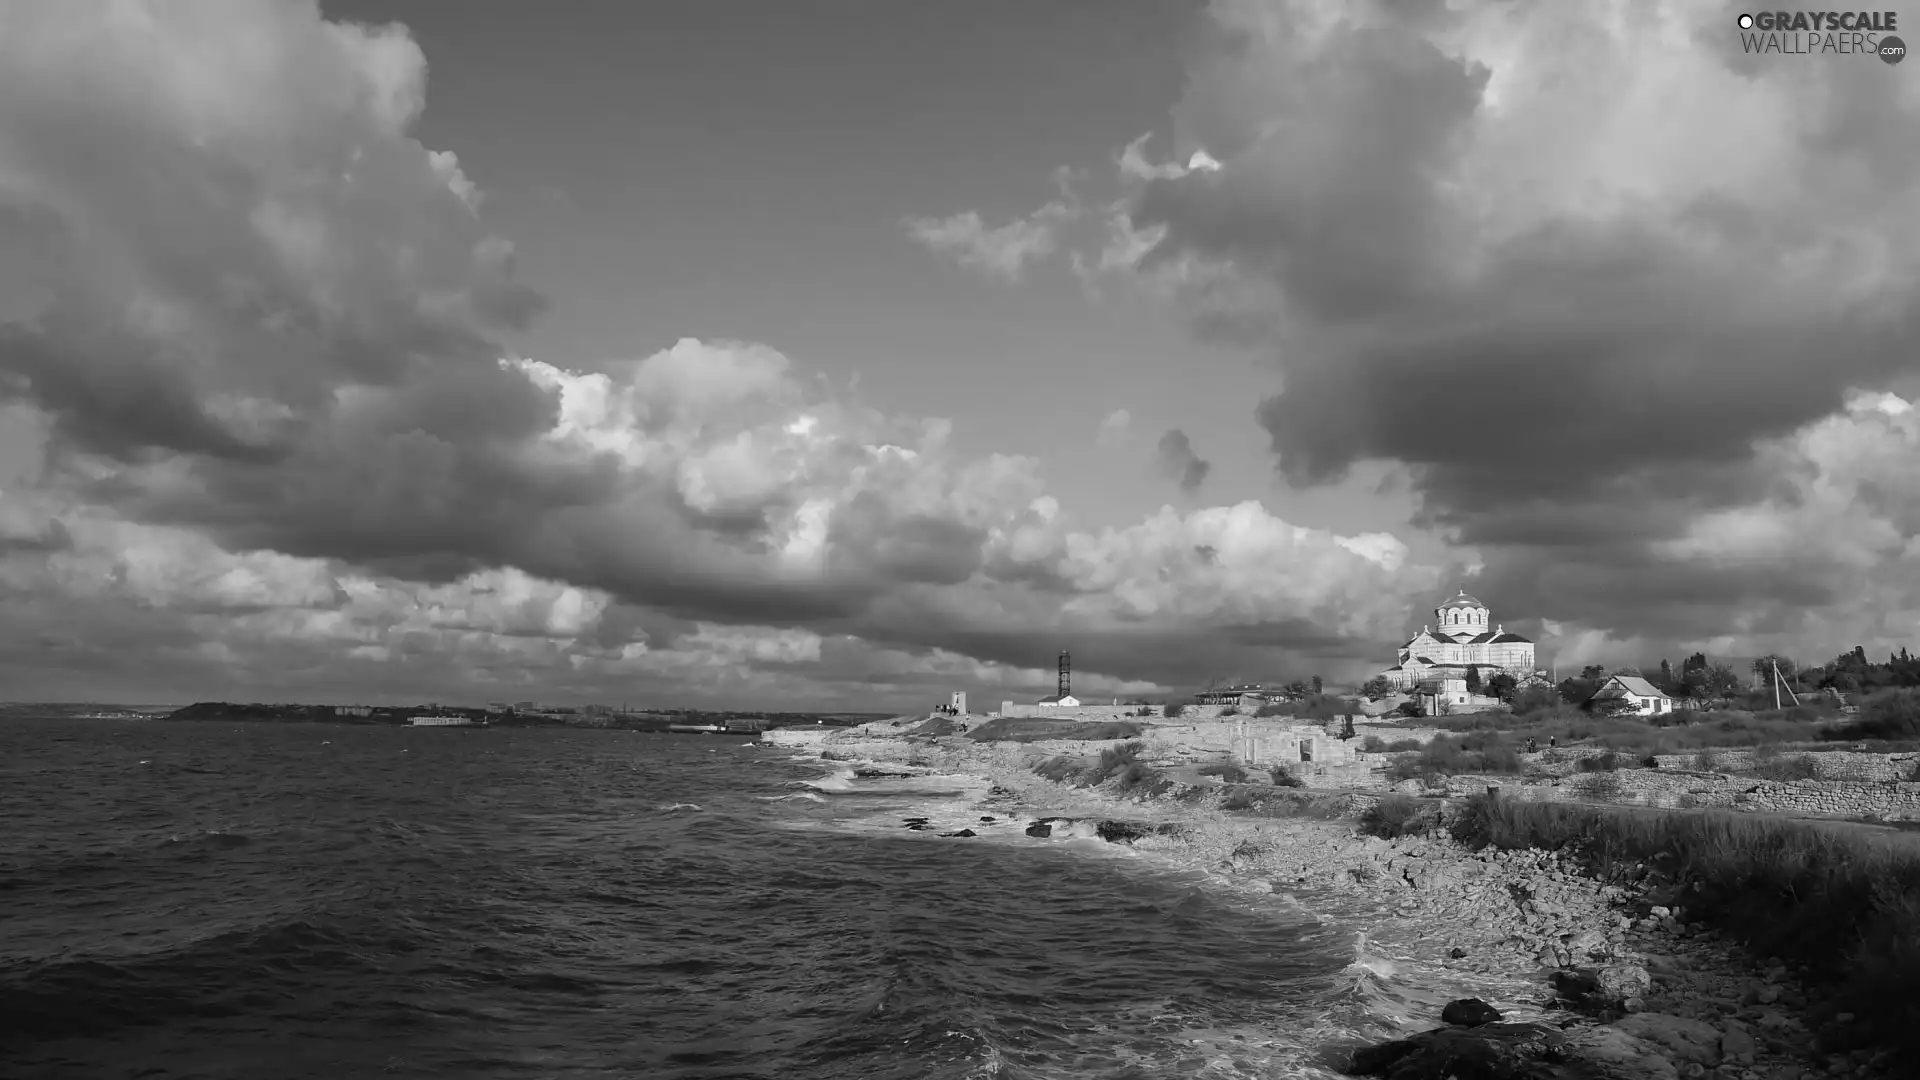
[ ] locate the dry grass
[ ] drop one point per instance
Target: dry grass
(1843, 900)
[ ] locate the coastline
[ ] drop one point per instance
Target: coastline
(1608, 974)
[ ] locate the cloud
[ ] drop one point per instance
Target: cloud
(1175, 457)
(261, 429)
(1115, 428)
(1003, 251)
(1573, 268)
(263, 438)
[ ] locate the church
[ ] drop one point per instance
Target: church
(1460, 639)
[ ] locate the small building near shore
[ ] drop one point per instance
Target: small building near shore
(1060, 701)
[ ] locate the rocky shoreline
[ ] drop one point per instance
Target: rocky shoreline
(1622, 986)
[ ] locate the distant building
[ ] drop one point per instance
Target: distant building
(353, 710)
(959, 703)
(1646, 698)
(1060, 701)
(1437, 697)
(1461, 639)
(1248, 696)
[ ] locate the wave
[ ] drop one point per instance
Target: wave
(672, 807)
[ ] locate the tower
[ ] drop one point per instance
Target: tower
(1066, 673)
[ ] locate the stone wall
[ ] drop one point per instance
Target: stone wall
(1675, 789)
(1395, 732)
(1827, 764)
(1082, 713)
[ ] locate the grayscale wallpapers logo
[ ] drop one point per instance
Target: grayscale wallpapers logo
(1846, 33)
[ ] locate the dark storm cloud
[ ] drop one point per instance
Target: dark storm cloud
(1176, 459)
(1575, 360)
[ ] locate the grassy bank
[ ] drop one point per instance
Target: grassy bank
(1840, 901)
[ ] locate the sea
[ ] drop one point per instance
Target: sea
(309, 902)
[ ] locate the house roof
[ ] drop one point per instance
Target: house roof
(1637, 686)
(1054, 699)
(1503, 638)
(1461, 601)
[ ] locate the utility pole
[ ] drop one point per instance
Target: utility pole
(1776, 684)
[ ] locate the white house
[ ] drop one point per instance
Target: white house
(1646, 698)
(1438, 697)
(1060, 701)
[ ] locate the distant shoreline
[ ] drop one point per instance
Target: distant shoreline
(722, 722)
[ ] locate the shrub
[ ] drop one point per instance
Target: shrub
(1705, 761)
(1480, 752)
(1893, 713)
(1283, 777)
(1175, 710)
(1399, 815)
(1374, 744)
(1231, 710)
(1231, 774)
(1273, 709)
(1113, 758)
(1595, 785)
(1651, 761)
(1606, 762)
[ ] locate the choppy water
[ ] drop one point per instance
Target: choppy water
(317, 901)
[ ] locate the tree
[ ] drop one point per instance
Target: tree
(1376, 688)
(1533, 699)
(1473, 678)
(1721, 681)
(1577, 691)
(1593, 673)
(1318, 686)
(1666, 676)
(1502, 686)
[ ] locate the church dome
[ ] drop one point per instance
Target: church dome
(1462, 601)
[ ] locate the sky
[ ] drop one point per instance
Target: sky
(839, 356)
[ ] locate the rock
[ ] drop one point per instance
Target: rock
(1041, 829)
(1457, 953)
(1767, 994)
(1590, 943)
(962, 832)
(1469, 1012)
(1680, 1038)
(1618, 982)
(1738, 1047)
(1115, 832)
(1612, 1053)
(1487, 1052)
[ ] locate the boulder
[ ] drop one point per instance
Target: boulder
(1607, 1053)
(962, 832)
(1738, 1047)
(1469, 1012)
(1487, 1052)
(1678, 1037)
(1590, 943)
(1599, 987)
